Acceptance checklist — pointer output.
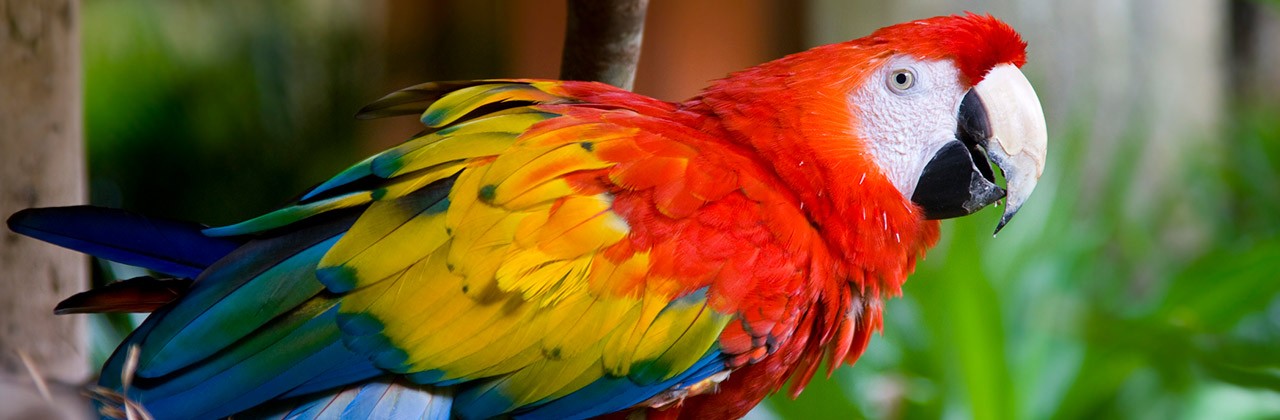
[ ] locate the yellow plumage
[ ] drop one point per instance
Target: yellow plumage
(507, 277)
(463, 101)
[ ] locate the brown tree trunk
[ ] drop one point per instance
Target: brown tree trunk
(41, 164)
(1255, 55)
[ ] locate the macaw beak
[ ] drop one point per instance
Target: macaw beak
(999, 119)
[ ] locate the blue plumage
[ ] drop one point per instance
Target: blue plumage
(399, 400)
(337, 375)
(610, 394)
(167, 246)
(270, 364)
(227, 303)
(377, 399)
(348, 176)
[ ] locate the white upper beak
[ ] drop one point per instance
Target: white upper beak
(1019, 137)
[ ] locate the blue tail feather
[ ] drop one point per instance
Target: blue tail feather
(167, 246)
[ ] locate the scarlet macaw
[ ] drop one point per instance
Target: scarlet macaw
(551, 249)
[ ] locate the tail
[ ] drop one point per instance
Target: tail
(139, 294)
(168, 246)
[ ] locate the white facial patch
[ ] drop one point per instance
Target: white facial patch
(904, 127)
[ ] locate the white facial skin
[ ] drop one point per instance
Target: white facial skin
(904, 124)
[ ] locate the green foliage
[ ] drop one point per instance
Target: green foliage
(215, 113)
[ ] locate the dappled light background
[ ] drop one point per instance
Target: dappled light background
(1142, 280)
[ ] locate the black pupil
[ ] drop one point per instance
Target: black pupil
(901, 78)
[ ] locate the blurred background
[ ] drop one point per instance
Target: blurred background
(1142, 280)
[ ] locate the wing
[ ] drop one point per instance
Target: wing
(556, 256)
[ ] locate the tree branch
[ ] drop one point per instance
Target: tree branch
(602, 41)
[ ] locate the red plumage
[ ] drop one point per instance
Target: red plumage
(976, 42)
(788, 112)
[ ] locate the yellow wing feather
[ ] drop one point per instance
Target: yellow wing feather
(508, 277)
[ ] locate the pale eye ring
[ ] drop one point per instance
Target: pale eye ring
(901, 80)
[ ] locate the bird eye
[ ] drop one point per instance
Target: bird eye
(902, 79)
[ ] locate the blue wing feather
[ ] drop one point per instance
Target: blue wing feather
(610, 394)
(255, 327)
(337, 375)
(383, 398)
(604, 396)
(247, 375)
(264, 280)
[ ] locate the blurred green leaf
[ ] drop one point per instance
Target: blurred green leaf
(1221, 288)
(963, 315)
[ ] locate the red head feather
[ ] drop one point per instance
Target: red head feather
(794, 113)
(976, 42)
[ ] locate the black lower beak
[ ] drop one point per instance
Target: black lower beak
(958, 181)
(952, 186)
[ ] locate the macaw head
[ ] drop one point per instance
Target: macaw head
(952, 97)
(929, 104)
